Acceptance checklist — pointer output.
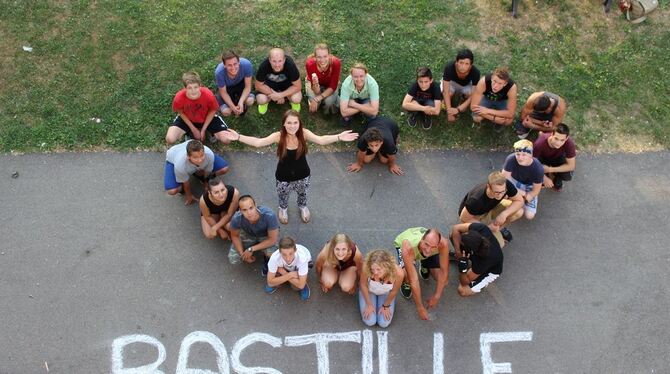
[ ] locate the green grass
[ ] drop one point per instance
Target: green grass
(121, 61)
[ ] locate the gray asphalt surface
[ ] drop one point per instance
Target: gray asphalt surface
(92, 251)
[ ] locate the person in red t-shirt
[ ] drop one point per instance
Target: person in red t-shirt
(196, 109)
(556, 152)
(323, 77)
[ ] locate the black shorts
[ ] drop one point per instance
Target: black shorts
(235, 92)
(431, 262)
(215, 126)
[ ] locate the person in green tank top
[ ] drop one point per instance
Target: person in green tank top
(431, 249)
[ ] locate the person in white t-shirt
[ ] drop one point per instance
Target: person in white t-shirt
(289, 264)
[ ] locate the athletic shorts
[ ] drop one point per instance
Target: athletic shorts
(482, 281)
(170, 180)
(235, 92)
(431, 262)
(529, 207)
(215, 126)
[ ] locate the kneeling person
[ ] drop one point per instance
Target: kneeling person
(340, 262)
(380, 139)
(289, 264)
(483, 247)
(431, 250)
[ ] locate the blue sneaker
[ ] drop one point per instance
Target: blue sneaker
(304, 293)
(270, 290)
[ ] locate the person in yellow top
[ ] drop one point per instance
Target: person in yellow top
(431, 249)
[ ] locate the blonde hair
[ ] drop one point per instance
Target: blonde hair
(191, 77)
(385, 260)
(524, 143)
(335, 240)
(497, 178)
(358, 65)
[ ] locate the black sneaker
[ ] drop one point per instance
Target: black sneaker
(346, 121)
(506, 234)
(411, 119)
(427, 122)
(558, 184)
(406, 291)
(424, 273)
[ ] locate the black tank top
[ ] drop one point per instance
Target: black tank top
(223, 208)
(344, 265)
(547, 116)
(289, 169)
(496, 96)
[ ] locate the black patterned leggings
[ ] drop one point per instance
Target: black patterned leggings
(301, 187)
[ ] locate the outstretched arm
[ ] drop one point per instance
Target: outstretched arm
(253, 141)
(345, 136)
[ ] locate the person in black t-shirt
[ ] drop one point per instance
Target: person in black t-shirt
(496, 202)
(380, 140)
(458, 80)
(494, 99)
(483, 248)
(278, 80)
(423, 98)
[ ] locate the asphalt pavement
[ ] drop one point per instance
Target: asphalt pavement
(103, 272)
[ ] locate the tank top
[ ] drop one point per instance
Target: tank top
(550, 115)
(289, 169)
(378, 288)
(344, 265)
(223, 208)
(496, 96)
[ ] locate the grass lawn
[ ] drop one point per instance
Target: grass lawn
(121, 61)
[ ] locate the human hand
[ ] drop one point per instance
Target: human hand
(386, 312)
(367, 312)
(347, 136)
(423, 313)
(500, 219)
(313, 105)
(453, 111)
(354, 167)
(395, 169)
(547, 182)
(247, 257)
(315, 82)
(196, 135)
(324, 288)
(238, 109)
(432, 302)
(231, 135)
(202, 135)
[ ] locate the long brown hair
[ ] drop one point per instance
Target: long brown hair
(302, 143)
(339, 238)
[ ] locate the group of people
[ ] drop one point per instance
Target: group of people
(379, 275)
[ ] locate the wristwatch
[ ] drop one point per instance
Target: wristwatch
(250, 249)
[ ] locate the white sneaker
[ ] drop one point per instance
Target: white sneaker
(304, 214)
(282, 214)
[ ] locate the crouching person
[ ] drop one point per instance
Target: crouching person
(289, 264)
(483, 248)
